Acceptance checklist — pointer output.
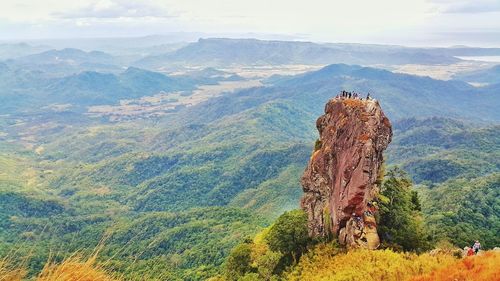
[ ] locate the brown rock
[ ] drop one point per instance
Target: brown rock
(339, 182)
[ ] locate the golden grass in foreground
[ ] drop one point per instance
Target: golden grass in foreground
(325, 263)
(484, 267)
(8, 273)
(75, 269)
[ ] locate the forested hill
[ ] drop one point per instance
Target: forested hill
(223, 52)
(177, 192)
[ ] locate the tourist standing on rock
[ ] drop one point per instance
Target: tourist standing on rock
(368, 96)
(476, 247)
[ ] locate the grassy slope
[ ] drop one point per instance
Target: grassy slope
(324, 262)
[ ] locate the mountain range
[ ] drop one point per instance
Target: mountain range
(175, 193)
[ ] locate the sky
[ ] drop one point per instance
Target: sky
(404, 22)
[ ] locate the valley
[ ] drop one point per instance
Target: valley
(162, 103)
(167, 169)
(443, 72)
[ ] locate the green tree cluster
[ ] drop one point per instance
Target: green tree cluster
(263, 259)
(400, 221)
(289, 235)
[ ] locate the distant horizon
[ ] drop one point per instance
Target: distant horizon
(261, 37)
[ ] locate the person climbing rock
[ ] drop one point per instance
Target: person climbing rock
(356, 218)
(476, 247)
(372, 207)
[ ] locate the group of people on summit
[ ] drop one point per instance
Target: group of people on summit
(351, 95)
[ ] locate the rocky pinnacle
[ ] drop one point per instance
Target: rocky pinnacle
(340, 181)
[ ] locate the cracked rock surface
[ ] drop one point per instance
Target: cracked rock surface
(340, 181)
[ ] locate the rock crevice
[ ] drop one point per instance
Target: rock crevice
(340, 181)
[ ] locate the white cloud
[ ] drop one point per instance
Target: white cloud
(385, 21)
(115, 9)
(468, 6)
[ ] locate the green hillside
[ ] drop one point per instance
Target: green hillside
(173, 195)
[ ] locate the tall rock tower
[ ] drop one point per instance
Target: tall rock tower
(340, 181)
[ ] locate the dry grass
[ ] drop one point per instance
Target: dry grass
(327, 263)
(75, 268)
(485, 267)
(8, 273)
(12, 271)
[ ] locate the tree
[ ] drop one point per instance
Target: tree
(267, 263)
(400, 220)
(239, 261)
(415, 201)
(289, 234)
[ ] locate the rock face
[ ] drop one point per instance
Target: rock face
(340, 181)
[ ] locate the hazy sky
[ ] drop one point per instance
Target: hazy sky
(407, 22)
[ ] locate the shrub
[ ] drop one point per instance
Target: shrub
(317, 145)
(326, 262)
